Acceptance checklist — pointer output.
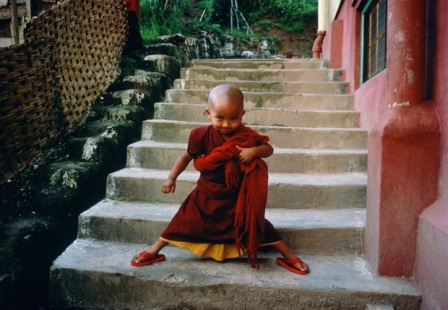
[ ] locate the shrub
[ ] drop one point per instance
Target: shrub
(164, 17)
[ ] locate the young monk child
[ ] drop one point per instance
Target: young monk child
(223, 217)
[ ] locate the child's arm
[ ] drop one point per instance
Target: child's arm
(181, 163)
(248, 154)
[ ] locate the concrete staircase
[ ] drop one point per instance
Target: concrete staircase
(317, 193)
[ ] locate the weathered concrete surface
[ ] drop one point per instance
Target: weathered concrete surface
(263, 84)
(286, 190)
(300, 137)
(335, 232)
(264, 116)
(278, 75)
(259, 64)
(306, 101)
(91, 274)
(157, 155)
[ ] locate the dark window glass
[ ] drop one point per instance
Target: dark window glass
(375, 38)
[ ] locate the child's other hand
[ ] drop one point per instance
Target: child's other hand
(169, 186)
(246, 155)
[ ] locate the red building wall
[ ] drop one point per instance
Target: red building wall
(407, 195)
(432, 242)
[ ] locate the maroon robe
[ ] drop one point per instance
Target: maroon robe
(207, 215)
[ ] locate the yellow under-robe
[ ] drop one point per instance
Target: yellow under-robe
(218, 252)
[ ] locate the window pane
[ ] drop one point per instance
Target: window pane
(375, 44)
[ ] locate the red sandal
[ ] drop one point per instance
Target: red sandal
(149, 259)
(289, 264)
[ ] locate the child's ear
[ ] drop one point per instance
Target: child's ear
(207, 112)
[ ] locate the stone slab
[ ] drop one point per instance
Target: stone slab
(259, 63)
(162, 155)
(286, 190)
(280, 136)
(264, 116)
(98, 274)
(230, 74)
(270, 99)
(309, 231)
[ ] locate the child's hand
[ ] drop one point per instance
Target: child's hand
(169, 186)
(246, 155)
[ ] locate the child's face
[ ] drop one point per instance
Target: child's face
(226, 117)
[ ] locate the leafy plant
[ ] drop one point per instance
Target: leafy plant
(290, 15)
(207, 9)
(163, 17)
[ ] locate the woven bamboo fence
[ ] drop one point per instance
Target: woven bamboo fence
(71, 55)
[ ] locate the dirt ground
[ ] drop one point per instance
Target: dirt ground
(299, 44)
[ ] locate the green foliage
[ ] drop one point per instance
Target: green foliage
(198, 25)
(163, 17)
(290, 15)
(207, 9)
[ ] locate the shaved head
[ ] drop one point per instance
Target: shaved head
(226, 94)
(225, 109)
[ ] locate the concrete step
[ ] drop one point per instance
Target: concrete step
(280, 136)
(296, 101)
(94, 274)
(259, 63)
(283, 75)
(330, 232)
(262, 85)
(162, 155)
(263, 116)
(286, 190)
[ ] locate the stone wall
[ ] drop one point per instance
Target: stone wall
(71, 54)
(207, 45)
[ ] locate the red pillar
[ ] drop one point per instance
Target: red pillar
(337, 32)
(404, 147)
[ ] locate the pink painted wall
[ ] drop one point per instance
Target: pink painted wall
(408, 146)
(432, 243)
(432, 256)
(345, 52)
(341, 47)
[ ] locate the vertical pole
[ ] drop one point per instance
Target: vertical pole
(28, 10)
(236, 14)
(231, 16)
(322, 14)
(14, 22)
(321, 29)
